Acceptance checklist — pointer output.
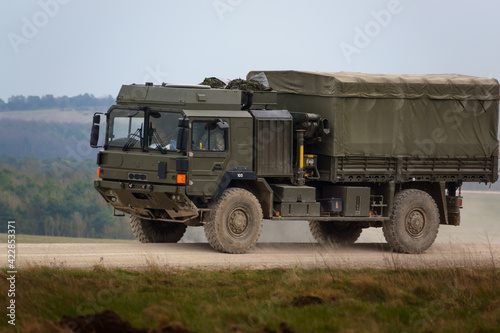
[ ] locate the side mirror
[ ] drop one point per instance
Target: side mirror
(94, 133)
(155, 114)
(94, 136)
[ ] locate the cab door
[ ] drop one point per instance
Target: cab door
(210, 153)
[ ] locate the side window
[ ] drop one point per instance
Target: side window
(207, 136)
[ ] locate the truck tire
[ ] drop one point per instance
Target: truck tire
(235, 222)
(334, 233)
(414, 222)
(148, 231)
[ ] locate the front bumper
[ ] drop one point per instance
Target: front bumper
(150, 201)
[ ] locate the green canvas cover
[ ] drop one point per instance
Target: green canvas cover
(415, 116)
(349, 85)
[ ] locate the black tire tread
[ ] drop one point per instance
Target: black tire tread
(213, 237)
(328, 233)
(146, 232)
(389, 228)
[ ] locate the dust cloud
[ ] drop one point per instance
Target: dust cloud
(480, 223)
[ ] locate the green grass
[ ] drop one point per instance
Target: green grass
(367, 300)
(21, 238)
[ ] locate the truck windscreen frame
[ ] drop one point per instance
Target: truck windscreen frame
(143, 129)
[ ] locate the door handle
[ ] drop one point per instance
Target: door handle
(218, 167)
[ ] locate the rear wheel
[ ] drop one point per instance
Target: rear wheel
(235, 222)
(414, 222)
(331, 232)
(149, 231)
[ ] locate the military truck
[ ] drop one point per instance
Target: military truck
(343, 151)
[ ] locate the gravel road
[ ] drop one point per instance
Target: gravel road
(262, 256)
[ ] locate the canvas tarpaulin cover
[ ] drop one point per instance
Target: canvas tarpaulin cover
(347, 84)
(437, 116)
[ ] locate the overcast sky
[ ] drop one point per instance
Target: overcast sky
(70, 47)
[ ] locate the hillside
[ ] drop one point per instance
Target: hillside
(44, 139)
(56, 197)
(48, 126)
(20, 102)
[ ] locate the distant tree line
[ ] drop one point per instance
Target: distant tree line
(56, 197)
(20, 102)
(46, 139)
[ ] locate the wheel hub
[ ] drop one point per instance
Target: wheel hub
(416, 223)
(238, 223)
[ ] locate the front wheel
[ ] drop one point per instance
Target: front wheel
(235, 222)
(148, 231)
(414, 222)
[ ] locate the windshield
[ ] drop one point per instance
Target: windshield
(126, 127)
(163, 127)
(127, 130)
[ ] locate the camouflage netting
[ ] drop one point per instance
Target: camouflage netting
(255, 83)
(249, 85)
(214, 82)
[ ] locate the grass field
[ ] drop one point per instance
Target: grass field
(313, 300)
(278, 300)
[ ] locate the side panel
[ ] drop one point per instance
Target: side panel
(383, 169)
(209, 155)
(419, 128)
(402, 127)
(401, 139)
(241, 143)
(273, 143)
(208, 168)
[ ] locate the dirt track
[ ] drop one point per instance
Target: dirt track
(264, 255)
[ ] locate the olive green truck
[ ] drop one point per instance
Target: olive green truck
(343, 151)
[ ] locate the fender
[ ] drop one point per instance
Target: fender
(236, 173)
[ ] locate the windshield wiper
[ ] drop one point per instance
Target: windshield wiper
(132, 139)
(155, 138)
